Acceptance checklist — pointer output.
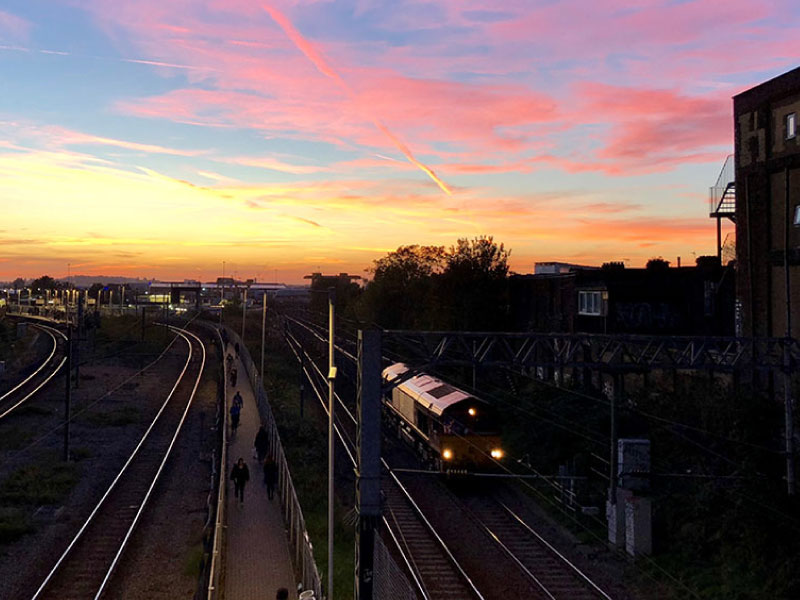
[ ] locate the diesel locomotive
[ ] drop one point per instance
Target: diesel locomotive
(450, 429)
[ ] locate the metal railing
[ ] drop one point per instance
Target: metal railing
(216, 510)
(716, 193)
(300, 546)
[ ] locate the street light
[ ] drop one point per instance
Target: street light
(331, 379)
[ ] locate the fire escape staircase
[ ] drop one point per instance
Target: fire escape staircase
(722, 198)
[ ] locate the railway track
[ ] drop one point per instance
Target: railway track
(437, 572)
(555, 576)
(86, 567)
(41, 376)
(549, 574)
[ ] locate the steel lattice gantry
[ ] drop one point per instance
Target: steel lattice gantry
(606, 353)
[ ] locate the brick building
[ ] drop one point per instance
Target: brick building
(767, 161)
(659, 300)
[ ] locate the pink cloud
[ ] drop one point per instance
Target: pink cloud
(274, 164)
(13, 27)
(474, 94)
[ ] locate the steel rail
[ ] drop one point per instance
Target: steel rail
(542, 587)
(42, 366)
(434, 533)
(407, 495)
(324, 377)
(406, 559)
(550, 547)
(183, 333)
(324, 405)
(48, 579)
(49, 331)
(309, 328)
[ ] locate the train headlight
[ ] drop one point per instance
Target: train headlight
(447, 454)
(497, 454)
(472, 412)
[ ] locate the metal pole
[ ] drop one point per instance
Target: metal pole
(244, 310)
(302, 382)
(331, 378)
(368, 476)
(222, 293)
(68, 394)
(77, 348)
(787, 374)
(612, 462)
(263, 332)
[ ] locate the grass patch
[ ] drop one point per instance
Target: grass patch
(14, 523)
(14, 439)
(118, 417)
(33, 409)
(193, 561)
(80, 453)
(45, 483)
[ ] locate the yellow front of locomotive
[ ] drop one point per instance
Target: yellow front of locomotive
(471, 452)
(470, 440)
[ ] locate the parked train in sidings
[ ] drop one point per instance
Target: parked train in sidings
(450, 429)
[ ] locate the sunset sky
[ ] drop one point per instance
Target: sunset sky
(158, 138)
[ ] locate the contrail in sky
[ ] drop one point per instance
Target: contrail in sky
(323, 67)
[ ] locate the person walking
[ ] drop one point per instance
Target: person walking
(240, 475)
(235, 413)
(270, 475)
(234, 374)
(236, 347)
(261, 443)
(238, 400)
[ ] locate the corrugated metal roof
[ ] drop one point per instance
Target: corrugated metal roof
(429, 391)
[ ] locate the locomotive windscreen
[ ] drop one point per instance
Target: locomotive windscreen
(471, 416)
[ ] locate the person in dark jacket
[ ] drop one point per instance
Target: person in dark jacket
(234, 373)
(240, 475)
(270, 475)
(261, 443)
(236, 410)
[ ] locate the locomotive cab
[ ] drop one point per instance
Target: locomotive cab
(470, 436)
(448, 427)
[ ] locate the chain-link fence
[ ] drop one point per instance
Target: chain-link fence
(299, 543)
(390, 579)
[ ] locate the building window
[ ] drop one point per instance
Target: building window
(791, 126)
(590, 303)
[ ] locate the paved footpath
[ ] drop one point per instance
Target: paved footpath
(257, 560)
